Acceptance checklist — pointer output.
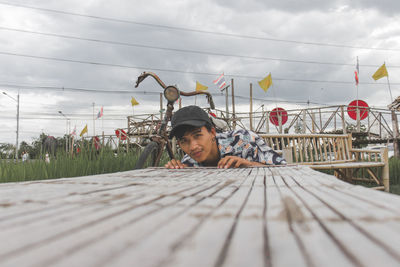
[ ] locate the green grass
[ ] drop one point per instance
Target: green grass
(395, 189)
(64, 165)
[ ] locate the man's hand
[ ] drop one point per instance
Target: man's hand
(236, 162)
(175, 164)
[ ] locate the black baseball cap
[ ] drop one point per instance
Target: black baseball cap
(190, 115)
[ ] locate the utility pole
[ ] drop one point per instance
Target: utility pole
(94, 129)
(67, 130)
(16, 145)
(16, 142)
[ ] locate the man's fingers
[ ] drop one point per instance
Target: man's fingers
(221, 163)
(238, 163)
(229, 162)
(174, 164)
(226, 162)
(233, 162)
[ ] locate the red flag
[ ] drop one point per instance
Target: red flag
(100, 113)
(356, 77)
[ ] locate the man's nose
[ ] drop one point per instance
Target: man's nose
(193, 145)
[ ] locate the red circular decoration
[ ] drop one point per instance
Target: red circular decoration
(352, 109)
(120, 134)
(274, 119)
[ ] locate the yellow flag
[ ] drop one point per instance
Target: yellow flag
(134, 102)
(200, 87)
(83, 131)
(381, 72)
(266, 83)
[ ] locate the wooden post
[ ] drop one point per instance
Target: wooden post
(343, 120)
(304, 121)
(161, 106)
(251, 107)
(233, 106)
(72, 146)
(385, 171)
(358, 119)
(267, 122)
(313, 122)
(173, 145)
(227, 103)
(395, 125)
(334, 122)
(369, 123)
(127, 144)
(287, 154)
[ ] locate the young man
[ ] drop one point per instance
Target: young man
(203, 146)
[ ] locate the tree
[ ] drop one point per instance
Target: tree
(25, 147)
(7, 151)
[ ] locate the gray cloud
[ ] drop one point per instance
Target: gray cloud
(334, 22)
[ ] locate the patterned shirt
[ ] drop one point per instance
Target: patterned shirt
(244, 144)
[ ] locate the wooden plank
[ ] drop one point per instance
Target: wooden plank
(47, 232)
(214, 236)
(295, 149)
(335, 153)
(317, 242)
(309, 146)
(348, 165)
(379, 202)
(280, 238)
(346, 224)
(200, 217)
(325, 150)
(171, 225)
(316, 158)
(301, 148)
(321, 156)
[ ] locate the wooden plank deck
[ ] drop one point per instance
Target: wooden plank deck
(272, 216)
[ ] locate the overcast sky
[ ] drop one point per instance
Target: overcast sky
(309, 47)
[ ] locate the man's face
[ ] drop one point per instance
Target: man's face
(198, 144)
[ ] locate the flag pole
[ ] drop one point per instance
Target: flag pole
(278, 113)
(387, 77)
(357, 108)
(358, 72)
(94, 128)
(273, 93)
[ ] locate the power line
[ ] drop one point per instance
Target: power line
(55, 118)
(171, 70)
(187, 50)
(196, 30)
(25, 87)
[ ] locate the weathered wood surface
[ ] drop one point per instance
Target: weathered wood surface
(277, 216)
